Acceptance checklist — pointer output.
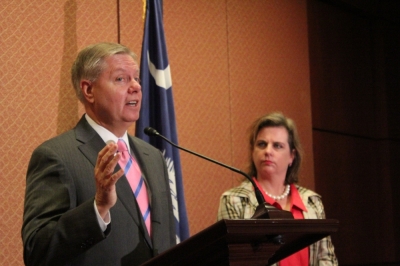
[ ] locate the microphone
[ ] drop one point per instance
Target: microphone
(149, 131)
(264, 210)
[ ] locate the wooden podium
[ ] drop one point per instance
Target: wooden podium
(247, 242)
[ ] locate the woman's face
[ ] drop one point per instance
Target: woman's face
(271, 152)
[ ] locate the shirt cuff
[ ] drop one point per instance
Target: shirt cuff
(103, 224)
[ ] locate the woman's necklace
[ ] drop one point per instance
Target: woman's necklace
(284, 195)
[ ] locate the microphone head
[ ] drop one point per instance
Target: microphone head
(150, 131)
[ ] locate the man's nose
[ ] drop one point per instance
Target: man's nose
(134, 86)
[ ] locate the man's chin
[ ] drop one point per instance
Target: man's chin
(131, 120)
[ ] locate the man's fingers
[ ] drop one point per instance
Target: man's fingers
(116, 176)
(106, 179)
(109, 165)
(106, 155)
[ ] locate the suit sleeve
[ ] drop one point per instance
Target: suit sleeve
(55, 229)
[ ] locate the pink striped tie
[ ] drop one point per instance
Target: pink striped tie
(135, 178)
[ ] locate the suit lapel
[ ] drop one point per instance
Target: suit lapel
(91, 141)
(92, 144)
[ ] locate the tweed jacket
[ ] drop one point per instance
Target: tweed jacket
(240, 203)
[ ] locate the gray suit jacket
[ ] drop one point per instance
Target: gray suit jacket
(60, 226)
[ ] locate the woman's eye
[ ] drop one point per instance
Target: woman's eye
(278, 145)
(261, 145)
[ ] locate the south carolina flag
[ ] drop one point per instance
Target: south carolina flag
(158, 107)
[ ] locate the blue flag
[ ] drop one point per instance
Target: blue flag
(158, 107)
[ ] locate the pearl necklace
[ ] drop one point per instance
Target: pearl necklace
(284, 195)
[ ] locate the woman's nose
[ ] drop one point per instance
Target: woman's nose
(268, 148)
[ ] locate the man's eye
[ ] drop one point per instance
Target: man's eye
(119, 79)
(137, 80)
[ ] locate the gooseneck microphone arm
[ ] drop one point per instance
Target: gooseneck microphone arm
(152, 132)
(260, 213)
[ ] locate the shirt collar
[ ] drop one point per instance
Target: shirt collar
(104, 133)
(296, 199)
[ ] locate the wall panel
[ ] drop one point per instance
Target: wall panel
(268, 71)
(30, 61)
(196, 38)
(352, 175)
(354, 68)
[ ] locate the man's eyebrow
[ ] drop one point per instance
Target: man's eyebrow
(119, 70)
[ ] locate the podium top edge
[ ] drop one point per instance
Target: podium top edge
(280, 221)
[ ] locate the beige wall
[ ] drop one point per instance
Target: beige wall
(231, 61)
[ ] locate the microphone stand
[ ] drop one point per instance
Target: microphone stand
(264, 210)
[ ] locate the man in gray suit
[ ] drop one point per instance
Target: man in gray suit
(79, 207)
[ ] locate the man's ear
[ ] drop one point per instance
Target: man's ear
(87, 90)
